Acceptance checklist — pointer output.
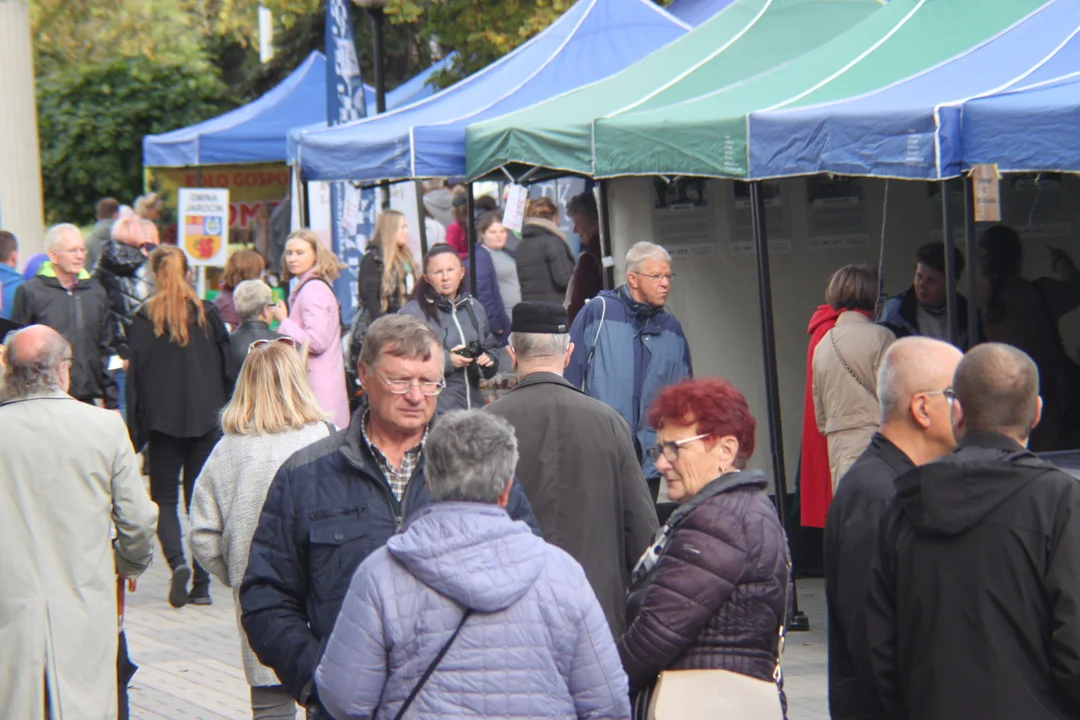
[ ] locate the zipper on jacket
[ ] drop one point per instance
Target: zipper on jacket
(461, 335)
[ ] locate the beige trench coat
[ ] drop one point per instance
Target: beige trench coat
(67, 475)
(847, 414)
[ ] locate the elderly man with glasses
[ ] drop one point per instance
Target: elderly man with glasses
(335, 502)
(914, 390)
(628, 347)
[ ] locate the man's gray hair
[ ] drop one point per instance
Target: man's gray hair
(642, 252)
(402, 336)
(28, 374)
(56, 232)
(538, 345)
(469, 456)
(251, 298)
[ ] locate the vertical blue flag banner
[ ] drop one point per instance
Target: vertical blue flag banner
(351, 210)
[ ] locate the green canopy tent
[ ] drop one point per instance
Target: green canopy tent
(707, 135)
(746, 38)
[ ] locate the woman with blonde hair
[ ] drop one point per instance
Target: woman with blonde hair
(314, 319)
(149, 206)
(388, 271)
(272, 414)
(242, 265)
(179, 378)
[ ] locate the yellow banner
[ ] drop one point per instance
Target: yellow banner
(253, 189)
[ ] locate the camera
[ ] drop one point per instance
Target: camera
(473, 350)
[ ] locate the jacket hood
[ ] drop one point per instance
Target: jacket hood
(545, 226)
(952, 495)
(824, 315)
(439, 204)
(470, 552)
(47, 270)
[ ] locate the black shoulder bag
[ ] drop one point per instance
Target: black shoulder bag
(431, 668)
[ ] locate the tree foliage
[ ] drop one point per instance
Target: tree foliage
(92, 122)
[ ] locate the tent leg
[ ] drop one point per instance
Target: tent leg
(470, 232)
(971, 250)
(302, 194)
(799, 620)
(604, 211)
(950, 277)
(421, 213)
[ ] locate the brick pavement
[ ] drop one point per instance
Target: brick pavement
(189, 659)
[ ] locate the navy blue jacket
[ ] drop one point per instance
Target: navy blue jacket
(487, 292)
(328, 508)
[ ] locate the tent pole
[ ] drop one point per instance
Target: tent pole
(950, 278)
(305, 209)
(470, 233)
(421, 213)
(971, 250)
(772, 384)
(607, 273)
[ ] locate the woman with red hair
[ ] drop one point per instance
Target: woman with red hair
(712, 592)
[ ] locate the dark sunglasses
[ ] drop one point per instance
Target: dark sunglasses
(264, 342)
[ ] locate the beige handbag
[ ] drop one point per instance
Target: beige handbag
(713, 695)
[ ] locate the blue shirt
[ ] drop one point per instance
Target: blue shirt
(10, 280)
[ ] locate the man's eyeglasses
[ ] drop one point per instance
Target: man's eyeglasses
(670, 450)
(284, 340)
(658, 278)
(402, 387)
(948, 393)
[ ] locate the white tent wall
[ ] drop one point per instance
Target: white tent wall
(716, 299)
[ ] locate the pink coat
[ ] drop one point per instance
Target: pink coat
(315, 320)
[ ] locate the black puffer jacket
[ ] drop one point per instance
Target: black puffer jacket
(545, 263)
(125, 274)
(717, 593)
(369, 282)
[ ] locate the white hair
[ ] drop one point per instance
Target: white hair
(250, 298)
(56, 233)
(537, 345)
(469, 456)
(642, 252)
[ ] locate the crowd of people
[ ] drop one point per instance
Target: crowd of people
(413, 547)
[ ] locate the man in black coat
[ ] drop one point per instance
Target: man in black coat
(577, 464)
(916, 428)
(973, 604)
(64, 297)
(335, 502)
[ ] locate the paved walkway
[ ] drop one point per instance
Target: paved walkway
(189, 659)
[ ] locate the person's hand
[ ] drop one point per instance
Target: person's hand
(485, 360)
(279, 312)
(126, 364)
(459, 361)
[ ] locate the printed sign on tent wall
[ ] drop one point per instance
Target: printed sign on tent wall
(837, 213)
(777, 220)
(682, 218)
(204, 223)
(1037, 206)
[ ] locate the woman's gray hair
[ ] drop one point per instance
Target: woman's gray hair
(535, 345)
(469, 456)
(250, 299)
(642, 252)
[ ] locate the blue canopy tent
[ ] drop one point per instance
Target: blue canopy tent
(593, 39)
(1031, 129)
(911, 129)
(696, 12)
(256, 132)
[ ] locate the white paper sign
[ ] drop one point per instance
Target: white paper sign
(352, 209)
(204, 225)
(514, 216)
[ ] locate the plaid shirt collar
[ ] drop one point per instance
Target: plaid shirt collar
(398, 478)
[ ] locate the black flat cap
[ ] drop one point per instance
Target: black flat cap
(540, 317)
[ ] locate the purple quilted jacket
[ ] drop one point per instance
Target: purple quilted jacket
(715, 597)
(537, 645)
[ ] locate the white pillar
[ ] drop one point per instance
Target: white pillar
(266, 35)
(21, 206)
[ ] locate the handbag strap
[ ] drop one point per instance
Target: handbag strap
(847, 367)
(431, 668)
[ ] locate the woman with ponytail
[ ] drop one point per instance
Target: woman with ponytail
(179, 378)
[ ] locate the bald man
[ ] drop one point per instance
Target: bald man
(68, 484)
(974, 596)
(915, 428)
